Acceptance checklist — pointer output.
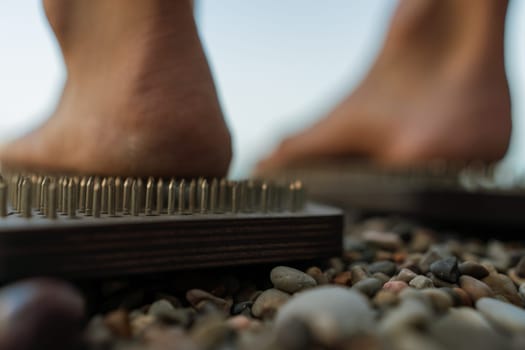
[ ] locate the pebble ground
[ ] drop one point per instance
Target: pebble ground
(396, 286)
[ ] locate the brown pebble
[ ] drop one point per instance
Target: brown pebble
(520, 267)
(118, 322)
(381, 276)
(399, 257)
(518, 281)
(343, 279)
(441, 300)
(199, 298)
(464, 297)
(358, 273)
(386, 240)
(140, 323)
(239, 322)
(405, 275)
(395, 286)
(438, 282)
(421, 240)
(317, 275)
(475, 289)
(503, 285)
(267, 304)
(385, 298)
(473, 269)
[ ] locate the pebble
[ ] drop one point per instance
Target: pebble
(160, 308)
(290, 280)
(267, 304)
(465, 328)
(503, 315)
(421, 240)
(317, 275)
(521, 291)
(421, 282)
(405, 275)
(499, 257)
(387, 267)
(428, 259)
(441, 300)
(473, 269)
(118, 322)
(343, 279)
(438, 282)
(446, 269)
(475, 289)
(395, 286)
(358, 273)
(520, 267)
(199, 299)
(337, 264)
(464, 298)
(385, 240)
(503, 285)
(382, 277)
(515, 277)
(140, 323)
(385, 299)
(332, 313)
(368, 286)
(411, 313)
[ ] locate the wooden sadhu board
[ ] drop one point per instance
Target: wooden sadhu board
(478, 197)
(168, 227)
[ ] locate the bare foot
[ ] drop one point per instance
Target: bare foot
(438, 90)
(139, 97)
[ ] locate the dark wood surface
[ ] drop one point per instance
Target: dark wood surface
(79, 248)
(440, 196)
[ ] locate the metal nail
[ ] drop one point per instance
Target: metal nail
(26, 208)
(204, 196)
(160, 197)
(172, 189)
(136, 196)
(51, 200)
(214, 189)
(126, 196)
(118, 194)
(182, 196)
(150, 186)
(223, 194)
(192, 196)
(90, 184)
(71, 199)
(3, 198)
(235, 197)
(19, 195)
(111, 197)
(44, 194)
(63, 200)
(104, 196)
(82, 195)
(264, 198)
(97, 189)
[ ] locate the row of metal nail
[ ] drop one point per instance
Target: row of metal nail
(51, 196)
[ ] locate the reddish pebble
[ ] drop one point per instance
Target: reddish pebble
(239, 322)
(343, 279)
(465, 298)
(399, 258)
(395, 286)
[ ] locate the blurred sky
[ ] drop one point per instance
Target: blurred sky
(279, 65)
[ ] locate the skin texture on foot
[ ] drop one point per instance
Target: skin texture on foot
(139, 99)
(438, 90)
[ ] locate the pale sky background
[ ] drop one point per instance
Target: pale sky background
(279, 65)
